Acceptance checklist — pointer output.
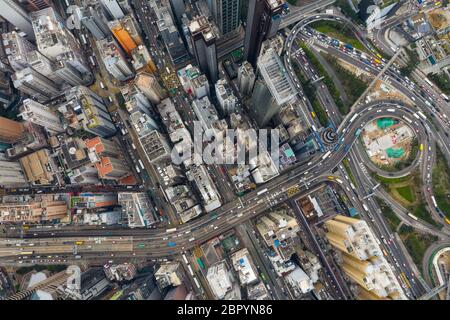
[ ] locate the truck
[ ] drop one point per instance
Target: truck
(171, 244)
(326, 155)
(358, 132)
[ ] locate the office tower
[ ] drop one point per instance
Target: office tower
(106, 155)
(170, 274)
(85, 110)
(113, 9)
(363, 260)
(12, 12)
(227, 100)
(126, 33)
(114, 59)
(11, 173)
(246, 78)
(56, 42)
(43, 65)
(10, 131)
(203, 41)
(35, 84)
(92, 19)
(169, 31)
(41, 115)
(149, 86)
(226, 13)
(262, 23)
(16, 48)
(273, 88)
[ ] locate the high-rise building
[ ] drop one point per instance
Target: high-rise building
(12, 12)
(169, 274)
(16, 48)
(83, 109)
(43, 65)
(227, 100)
(138, 207)
(363, 259)
(203, 41)
(222, 282)
(263, 20)
(226, 14)
(156, 146)
(246, 78)
(11, 173)
(149, 86)
(178, 9)
(41, 115)
(35, 84)
(273, 88)
(126, 32)
(169, 31)
(107, 158)
(56, 42)
(113, 8)
(93, 20)
(114, 59)
(10, 131)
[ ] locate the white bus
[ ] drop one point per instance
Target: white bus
(262, 191)
(416, 115)
(185, 259)
(354, 117)
(422, 115)
(429, 82)
(326, 155)
(365, 207)
(407, 119)
(413, 216)
(434, 201)
(137, 169)
(391, 110)
(141, 164)
(83, 39)
(339, 180)
(133, 146)
(445, 97)
(171, 230)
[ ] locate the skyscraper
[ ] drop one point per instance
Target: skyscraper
(273, 88)
(10, 130)
(226, 14)
(12, 12)
(114, 59)
(113, 8)
(85, 110)
(246, 78)
(149, 86)
(92, 19)
(11, 173)
(262, 22)
(41, 115)
(204, 43)
(17, 47)
(363, 260)
(35, 84)
(56, 42)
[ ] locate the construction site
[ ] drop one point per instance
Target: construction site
(387, 141)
